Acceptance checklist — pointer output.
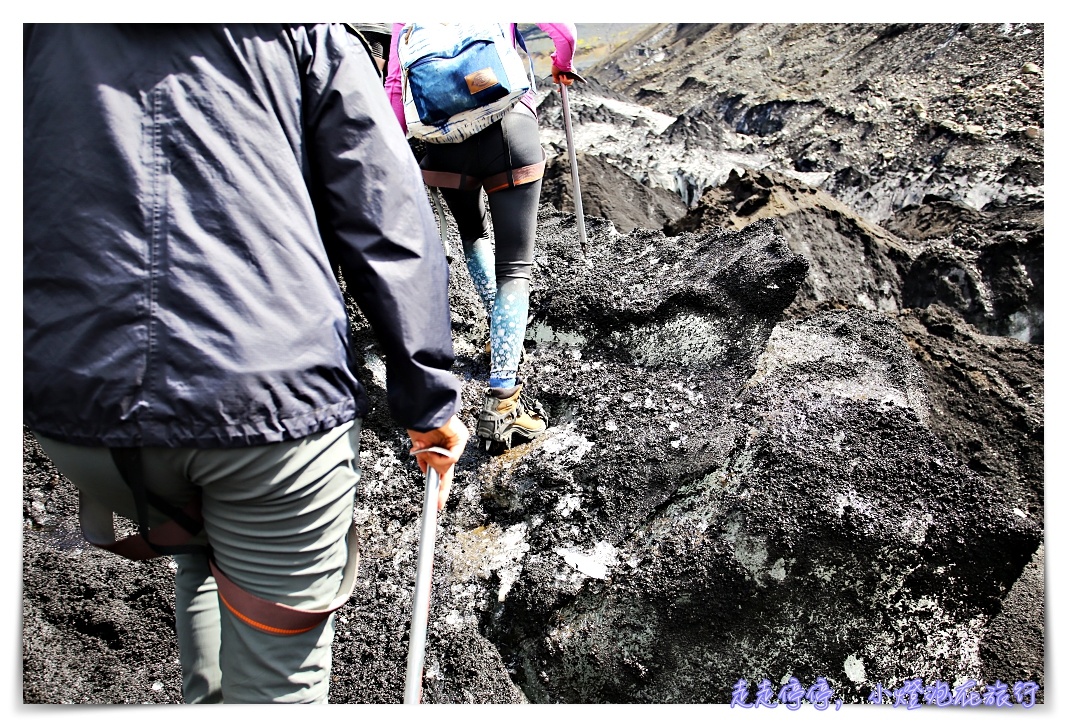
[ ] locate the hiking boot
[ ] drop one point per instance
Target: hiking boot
(504, 416)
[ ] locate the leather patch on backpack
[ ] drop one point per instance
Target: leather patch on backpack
(481, 80)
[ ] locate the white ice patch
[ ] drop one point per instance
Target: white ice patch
(566, 445)
(543, 333)
(657, 121)
(915, 528)
(812, 179)
(480, 552)
(791, 347)
(376, 365)
(683, 338)
(568, 504)
(752, 553)
(595, 564)
(854, 500)
(854, 669)
(640, 150)
(1023, 324)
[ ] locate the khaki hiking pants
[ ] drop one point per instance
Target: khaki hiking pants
(276, 517)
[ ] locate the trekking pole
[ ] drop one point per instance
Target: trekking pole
(424, 572)
(574, 169)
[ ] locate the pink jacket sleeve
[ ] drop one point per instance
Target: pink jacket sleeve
(564, 36)
(393, 78)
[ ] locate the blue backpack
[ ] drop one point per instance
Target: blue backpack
(458, 78)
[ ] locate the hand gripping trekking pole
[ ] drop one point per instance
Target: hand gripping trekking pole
(574, 169)
(424, 572)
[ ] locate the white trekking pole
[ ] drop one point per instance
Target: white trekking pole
(424, 573)
(574, 165)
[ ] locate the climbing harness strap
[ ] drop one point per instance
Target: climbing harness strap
(493, 183)
(279, 619)
(451, 180)
(172, 537)
(514, 177)
(98, 528)
(166, 539)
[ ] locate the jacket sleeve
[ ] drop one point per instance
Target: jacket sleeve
(564, 36)
(376, 221)
(393, 78)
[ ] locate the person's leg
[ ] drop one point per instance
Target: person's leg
(513, 144)
(197, 623)
(514, 212)
(93, 471)
(472, 222)
(469, 212)
(277, 517)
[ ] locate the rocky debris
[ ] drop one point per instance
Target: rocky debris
(636, 363)
(922, 141)
(838, 539)
(986, 395)
(635, 139)
(796, 432)
(96, 628)
(1015, 641)
(710, 473)
(855, 262)
(986, 265)
(886, 113)
(610, 194)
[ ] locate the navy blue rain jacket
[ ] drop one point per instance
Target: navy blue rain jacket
(189, 193)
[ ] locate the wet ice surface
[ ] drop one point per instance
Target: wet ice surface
(597, 563)
(722, 492)
(691, 497)
(487, 550)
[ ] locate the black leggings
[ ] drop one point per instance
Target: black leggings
(498, 259)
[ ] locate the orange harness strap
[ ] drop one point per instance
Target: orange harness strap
(514, 177)
(97, 524)
(450, 180)
(276, 618)
(493, 183)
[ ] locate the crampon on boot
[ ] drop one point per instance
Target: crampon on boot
(505, 416)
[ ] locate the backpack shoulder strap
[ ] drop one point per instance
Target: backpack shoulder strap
(521, 42)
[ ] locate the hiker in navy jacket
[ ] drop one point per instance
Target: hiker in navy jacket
(189, 194)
